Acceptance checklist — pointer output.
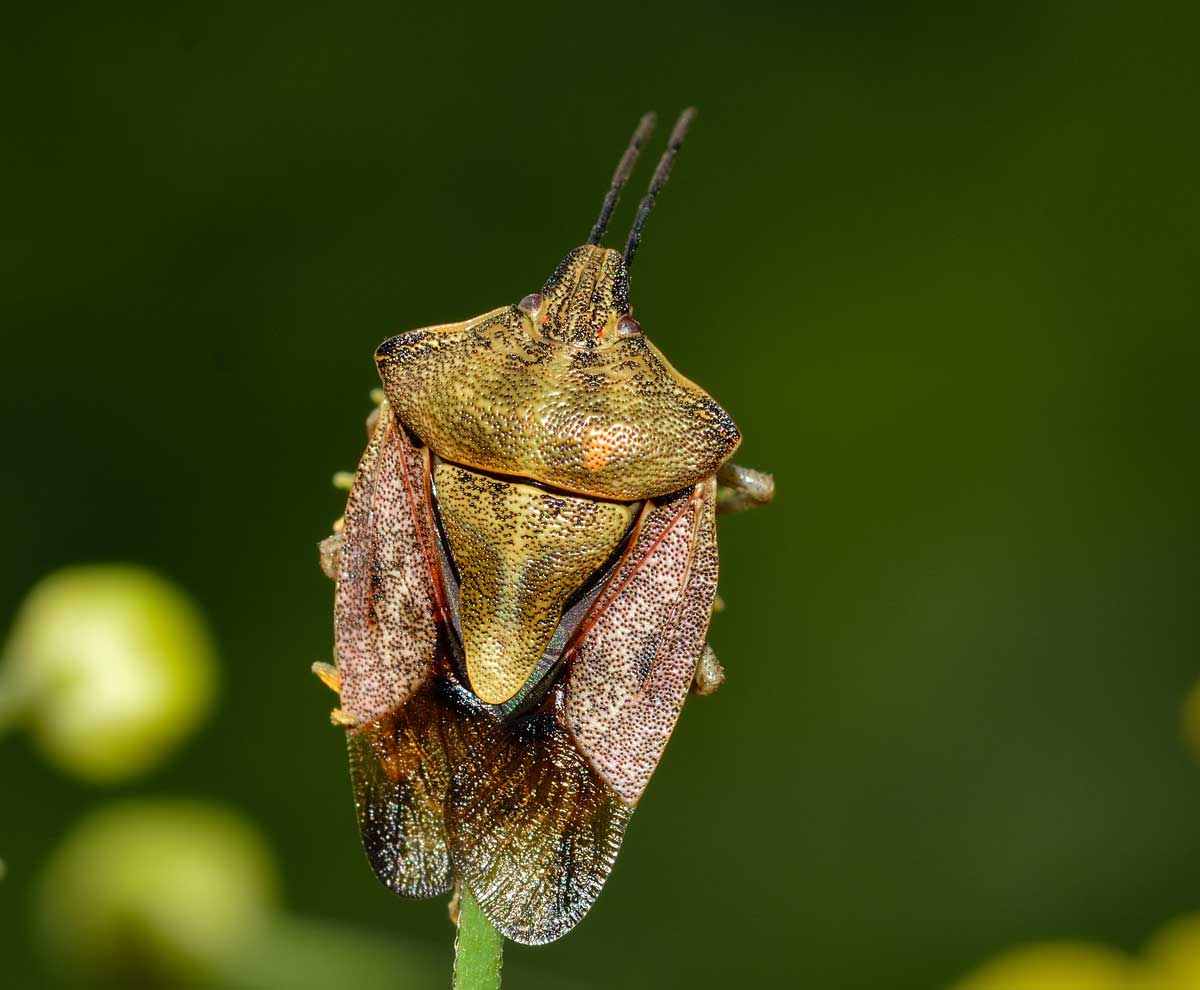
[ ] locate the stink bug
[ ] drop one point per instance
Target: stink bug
(525, 574)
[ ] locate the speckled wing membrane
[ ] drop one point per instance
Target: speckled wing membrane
(533, 829)
(447, 788)
(400, 772)
(386, 642)
(385, 609)
(633, 665)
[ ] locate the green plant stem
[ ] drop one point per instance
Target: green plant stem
(478, 949)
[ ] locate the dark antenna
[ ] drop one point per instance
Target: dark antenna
(659, 179)
(624, 169)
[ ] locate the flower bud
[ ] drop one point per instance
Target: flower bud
(1055, 966)
(110, 666)
(155, 892)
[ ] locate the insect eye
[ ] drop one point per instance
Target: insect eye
(627, 326)
(530, 303)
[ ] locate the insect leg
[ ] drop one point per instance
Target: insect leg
(342, 719)
(331, 546)
(709, 675)
(328, 675)
(741, 488)
(330, 550)
(377, 397)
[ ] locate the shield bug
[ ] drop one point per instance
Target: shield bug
(525, 574)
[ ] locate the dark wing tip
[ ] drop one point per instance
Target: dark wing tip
(533, 831)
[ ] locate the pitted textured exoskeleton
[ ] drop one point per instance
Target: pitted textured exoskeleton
(525, 575)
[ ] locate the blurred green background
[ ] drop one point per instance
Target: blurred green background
(939, 262)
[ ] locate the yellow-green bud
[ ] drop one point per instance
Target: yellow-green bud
(155, 893)
(110, 666)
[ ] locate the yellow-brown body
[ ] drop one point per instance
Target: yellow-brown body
(524, 583)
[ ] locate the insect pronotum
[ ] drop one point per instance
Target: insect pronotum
(525, 575)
